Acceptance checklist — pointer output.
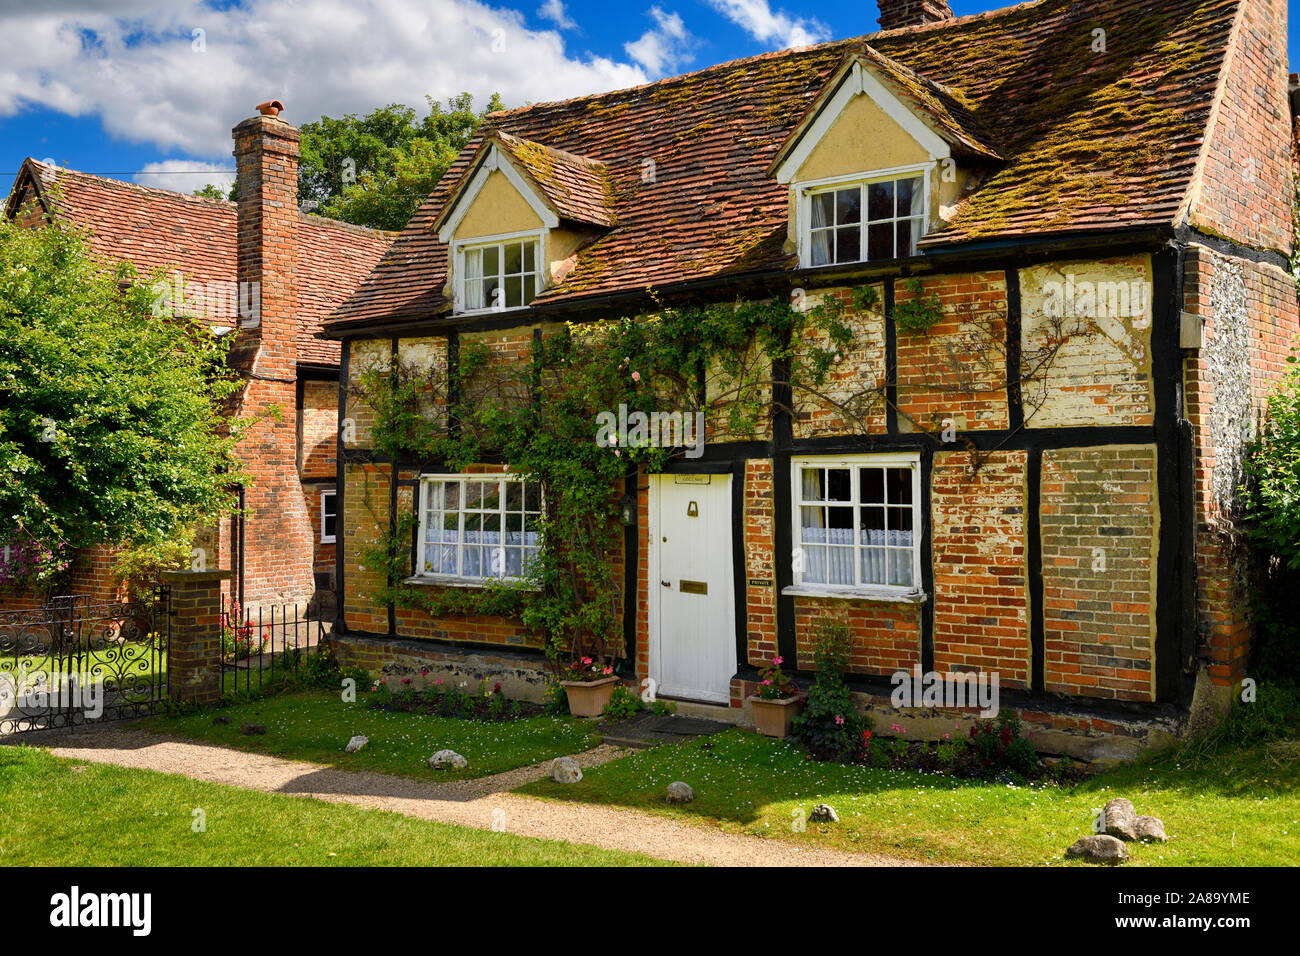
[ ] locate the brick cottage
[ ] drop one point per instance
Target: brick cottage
(213, 252)
(1096, 193)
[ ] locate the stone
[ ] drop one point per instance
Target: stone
(447, 758)
(1121, 819)
(679, 792)
(1150, 829)
(221, 719)
(1099, 848)
(824, 813)
(565, 770)
(250, 730)
(356, 743)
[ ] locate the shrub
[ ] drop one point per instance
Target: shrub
(1000, 747)
(623, 704)
(830, 727)
(556, 701)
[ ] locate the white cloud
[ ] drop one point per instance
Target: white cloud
(140, 74)
(778, 28)
(554, 11)
(662, 48)
(185, 175)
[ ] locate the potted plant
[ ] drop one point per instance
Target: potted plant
(777, 702)
(588, 684)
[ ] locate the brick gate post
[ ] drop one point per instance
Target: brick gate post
(194, 646)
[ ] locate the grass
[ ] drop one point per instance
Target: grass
(316, 726)
(56, 812)
(1233, 807)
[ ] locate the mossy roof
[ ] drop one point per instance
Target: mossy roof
(1088, 140)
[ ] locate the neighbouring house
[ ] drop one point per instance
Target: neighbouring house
(231, 261)
(1096, 193)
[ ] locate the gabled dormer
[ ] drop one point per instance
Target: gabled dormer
(878, 162)
(516, 220)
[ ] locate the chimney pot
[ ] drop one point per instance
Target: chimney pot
(270, 108)
(912, 13)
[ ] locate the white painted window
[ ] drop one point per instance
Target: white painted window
(857, 523)
(476, 527)
(493, 276)
(329, 516)
(867, 219)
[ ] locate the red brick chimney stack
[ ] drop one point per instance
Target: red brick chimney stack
(911, 13)
(278, 529)
(266, 161)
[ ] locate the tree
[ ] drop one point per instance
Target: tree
(110, 424)
(376, 170)
(213, 191)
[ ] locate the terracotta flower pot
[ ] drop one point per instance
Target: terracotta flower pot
(773, 718)
(588, 698)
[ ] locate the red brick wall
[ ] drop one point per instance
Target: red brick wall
(886, 637)
(952, 372)
(1244, 187)
(1251, 320)
(1099, 520)
(981, 607)
(760, 562)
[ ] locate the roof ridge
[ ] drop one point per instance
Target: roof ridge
(568, 154)
(223, 204)
(772, 54)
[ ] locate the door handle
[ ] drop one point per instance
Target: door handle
(665, 584)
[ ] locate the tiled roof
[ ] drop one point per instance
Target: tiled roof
(1089, 140)
(161, 229)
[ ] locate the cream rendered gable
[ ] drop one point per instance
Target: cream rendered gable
(497, 207)
(863, 130)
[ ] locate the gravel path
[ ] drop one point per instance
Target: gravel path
(480, 803)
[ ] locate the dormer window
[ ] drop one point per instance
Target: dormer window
(868, 220)
(498, 275)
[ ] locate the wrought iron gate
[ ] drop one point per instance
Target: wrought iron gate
(75, 661)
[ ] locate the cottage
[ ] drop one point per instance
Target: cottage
(1059, 233)
(225, 261)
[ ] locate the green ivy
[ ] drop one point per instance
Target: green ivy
(918, 314)
(651, 362)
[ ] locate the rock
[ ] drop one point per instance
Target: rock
(356, 743)
(1099, 848)
(221, 719)
(1150, 828)
(1121, 819)
(447, 758)
(250, 730)
(679, 792)
(565, 770)
(824, 813)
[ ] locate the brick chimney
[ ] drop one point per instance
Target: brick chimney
(266, 162)
(278, 531)
(911, 13)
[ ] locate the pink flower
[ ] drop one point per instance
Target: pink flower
(608, 670)
(778, 661)
(636, 376)
(839, 719)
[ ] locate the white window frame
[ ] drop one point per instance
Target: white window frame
(806, 190)
(898, 593)
(426, 482)
(460, 247)
(329, 493)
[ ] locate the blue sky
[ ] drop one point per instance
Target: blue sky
(126, 87)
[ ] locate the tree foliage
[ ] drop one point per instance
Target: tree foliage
(376, 170)
(110, 427)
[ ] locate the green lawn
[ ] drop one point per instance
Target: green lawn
(56, 812)
(1238, 808)
(317, 725)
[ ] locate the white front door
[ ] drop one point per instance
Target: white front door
(692, 591)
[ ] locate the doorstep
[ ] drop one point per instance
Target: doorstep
(650, 730)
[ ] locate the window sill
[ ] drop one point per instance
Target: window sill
(881, 595)
(447, 581)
